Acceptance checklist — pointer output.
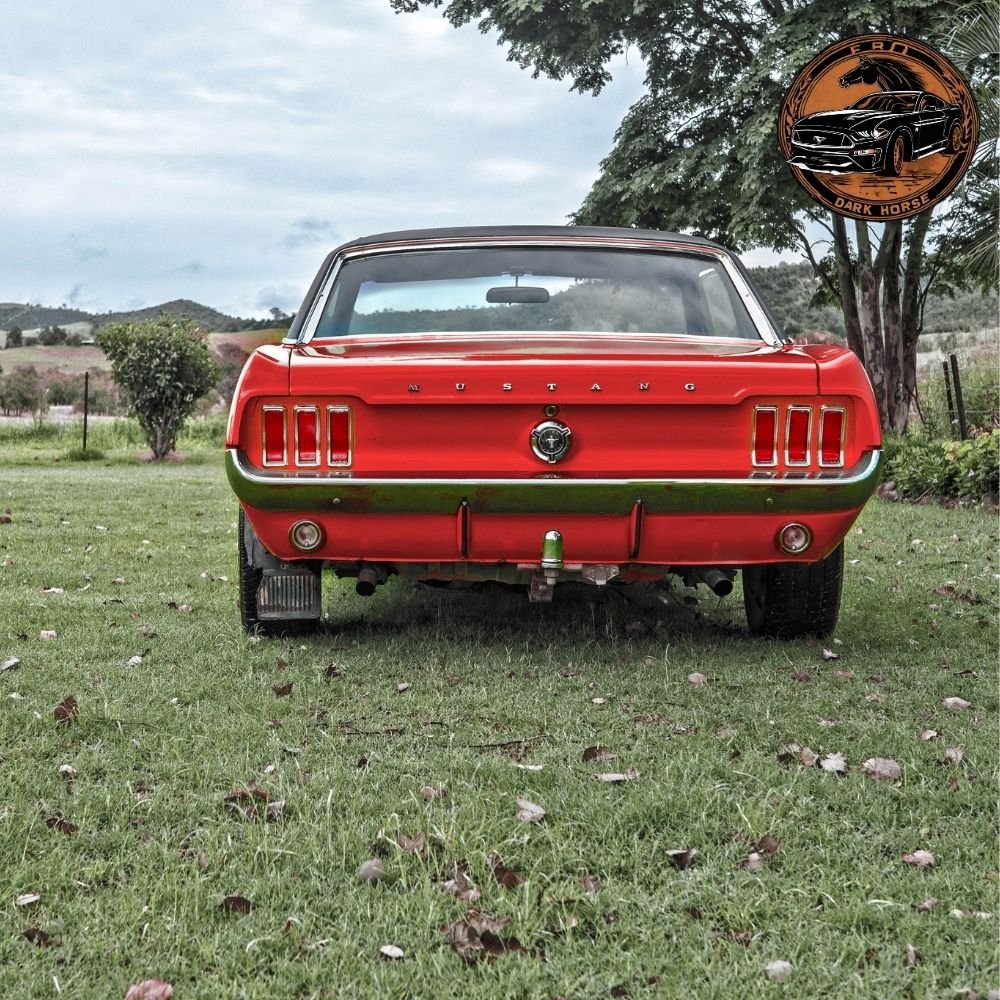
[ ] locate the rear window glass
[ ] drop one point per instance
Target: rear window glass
(547, 290)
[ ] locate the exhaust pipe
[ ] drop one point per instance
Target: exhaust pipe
(368, 580)
(719, 581)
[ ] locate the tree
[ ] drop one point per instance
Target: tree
(15, 338)
(162, 367)
(22, 391)
(698, 151)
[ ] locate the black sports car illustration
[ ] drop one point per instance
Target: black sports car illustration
(878, 133)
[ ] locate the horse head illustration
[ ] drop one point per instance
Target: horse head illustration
(889, 74)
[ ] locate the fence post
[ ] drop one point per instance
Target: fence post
(959, 402)
(86, 406)
(947, 393)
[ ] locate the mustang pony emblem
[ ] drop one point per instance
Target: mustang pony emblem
(550, 440)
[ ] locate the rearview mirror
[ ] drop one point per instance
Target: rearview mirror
(517, 293)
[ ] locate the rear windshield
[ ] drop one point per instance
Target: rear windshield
(563, 289)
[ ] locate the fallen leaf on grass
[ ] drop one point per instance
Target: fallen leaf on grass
(590, 883)
(779, 971)
(845, 675)
(928, 734)
(697, 679)
(282, 690)
(878, 697)
(793, 752)
(478, 936)
(768, 845)
(236, 904)
(67, 772)
(27, 898)
(802, 676)
(371, 871)
(134, 661)
(147, 631)
(429, 793)
(65, 710)
(911, 957)
(882, 769)
(956, 704)
(332, 672)
(48, 633)
(682, 858)
(413, 845)
(254, 803)
(598, 701)
(391, 952)
(505, 877)
(617, 777)
(954, 754)
(919, 859)
(754, 862)
(829, 654)
(598, 753)
(62, 825)
(150, 989)
(965, 596)
(835, 763)
(529, 812)
(461, 887)
(927, 905)
(9, 664)
(37, 936)
(401, 687)
(119, 581)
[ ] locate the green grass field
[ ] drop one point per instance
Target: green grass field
(133, 852)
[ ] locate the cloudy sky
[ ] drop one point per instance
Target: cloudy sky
(216, 151)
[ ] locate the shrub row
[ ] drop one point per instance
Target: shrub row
(957, 470)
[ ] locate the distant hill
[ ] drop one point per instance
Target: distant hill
(32, 317)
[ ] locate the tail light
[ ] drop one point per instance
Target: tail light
(338, 420)
(765, 435)
(275, 443)
(306, 435)
(797, 432)
(831, 436)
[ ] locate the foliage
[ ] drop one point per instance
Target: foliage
(230, 358)
(968, 253)
(23, 391)
(162, 367)
(15, 337)
(920, 467)
(51, 336)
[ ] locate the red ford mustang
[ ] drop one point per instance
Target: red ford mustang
(532, 405)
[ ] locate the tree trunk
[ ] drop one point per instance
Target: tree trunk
(912, 312)
(869, 284)
(897, 397)
(848, 291)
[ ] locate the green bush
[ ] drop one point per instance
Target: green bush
(162, 367)
(957, 470)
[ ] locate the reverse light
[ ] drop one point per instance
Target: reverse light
(764, 446)
(794, 539)
(275, 443)
(832, 422)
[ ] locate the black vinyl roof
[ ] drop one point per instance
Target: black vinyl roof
(528, 232)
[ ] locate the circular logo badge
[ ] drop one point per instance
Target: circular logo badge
(550, 440)
(878, 127)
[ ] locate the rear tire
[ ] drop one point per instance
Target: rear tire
(789, 600)
(249, 580)
(954, 139)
